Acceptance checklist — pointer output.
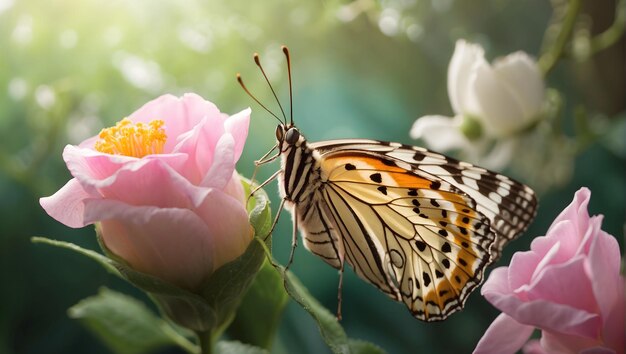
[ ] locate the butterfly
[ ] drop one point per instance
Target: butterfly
(420, 226)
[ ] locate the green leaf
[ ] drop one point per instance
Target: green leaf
(358, 346)
(332, 332)
(233, 347)
(183, 307)
(261, 309)
(125, 324)
(259, 212)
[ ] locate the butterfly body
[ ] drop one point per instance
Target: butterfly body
(419, 226)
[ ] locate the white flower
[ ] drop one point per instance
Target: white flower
(504, 98)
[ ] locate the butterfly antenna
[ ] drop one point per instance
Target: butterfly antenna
(286, 51)
(258, 63)
(254, 98)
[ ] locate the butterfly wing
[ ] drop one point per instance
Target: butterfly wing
(509, 205)
(410, 227)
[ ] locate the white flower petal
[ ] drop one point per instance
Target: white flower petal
(522, 75)
(501, 113)
(462, 65)
(440, 133)
(500, 155)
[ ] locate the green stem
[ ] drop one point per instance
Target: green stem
(180, 340)
(549, 59)
(613, 33)
(206, 341)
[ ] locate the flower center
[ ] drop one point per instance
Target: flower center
(130, 139)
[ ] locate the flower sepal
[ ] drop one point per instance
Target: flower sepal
(471, 127)
(211, 307)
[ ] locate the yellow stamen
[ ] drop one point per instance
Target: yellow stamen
(130, 139)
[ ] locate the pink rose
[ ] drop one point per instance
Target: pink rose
(162, 185)
(568, 285)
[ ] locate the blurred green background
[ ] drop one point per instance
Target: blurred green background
(360, 69)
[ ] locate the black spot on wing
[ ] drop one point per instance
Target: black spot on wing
(376, 177)
(446, 263)
(426, 278)
(419, 156)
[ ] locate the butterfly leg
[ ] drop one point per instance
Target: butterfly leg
(265, 183)
(278, 212)
(294, 238)
(264, 159)
(339, 291)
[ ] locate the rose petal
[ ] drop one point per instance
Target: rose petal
(504, 335)
(546, 262)
(188, 145)
(614, 334)
(223, 166)
(179, 114)
(172, 244)
(604, 268)
(228, 223)
(538, 313)
(148, 182)
(88, 165)
(522, 268)
(576, 211)
(554, 342)
(533, 346)
(67, 204)
(200, 144)
(565, 235)
(544, 314)
(234, 188)
(237, 125)
(598, 350)
(498, 282)
(557, 284)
